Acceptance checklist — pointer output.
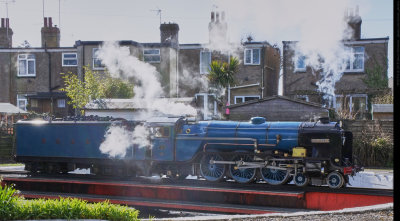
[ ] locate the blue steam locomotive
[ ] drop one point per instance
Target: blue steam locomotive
(275, 152)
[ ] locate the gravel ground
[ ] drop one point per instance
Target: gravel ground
(381, 212)
(382, 215)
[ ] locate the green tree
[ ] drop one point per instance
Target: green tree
(93, 87)
(222, 74)
(376, 77)
(117, 88)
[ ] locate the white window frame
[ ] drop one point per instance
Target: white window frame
(296, 68)
(251, 56)
(61, 103)
(350, 97)
(352, 59)
(201, 60)
(244, 98)
(22, 97)
(94, 57)
(27, 59)
(69, 59)
(151, 55)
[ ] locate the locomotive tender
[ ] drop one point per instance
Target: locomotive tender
(275, 152)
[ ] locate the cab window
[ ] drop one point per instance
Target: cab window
(160, 131)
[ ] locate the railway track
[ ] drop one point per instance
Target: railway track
(258, 186)
(194, 195)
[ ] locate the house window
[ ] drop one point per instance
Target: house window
(34, 103)
(352, 103)
(61, 103)
(152, 55)
(241, 99)
(26, 65)
(205, 62)
(300, 64)
(22, 101)
(356, 60)
(252, 56)
(69, 59)
(303, 97)
(97, 63)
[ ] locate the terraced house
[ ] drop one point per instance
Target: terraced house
(32, 81)
(351, 91)
(34, 73)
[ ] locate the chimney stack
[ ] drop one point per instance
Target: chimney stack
(170, 34)
(50, 34)
(353, 20)
(217, 28)
(6, 34)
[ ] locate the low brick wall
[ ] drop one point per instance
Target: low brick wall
(6, 148)
(370, 150)
(370, 127)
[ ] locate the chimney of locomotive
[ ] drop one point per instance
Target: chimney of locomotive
(6, 34)
(354, 24)
(50, 34)
(170, 33)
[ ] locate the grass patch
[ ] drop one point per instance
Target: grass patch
(14, 207)
(11, 164)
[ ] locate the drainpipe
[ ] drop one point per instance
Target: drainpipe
(177, 71)
(262, 71)
(229, 94)
(51, 97)
(229, 85)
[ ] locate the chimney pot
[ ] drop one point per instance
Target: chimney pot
(2, 22)
(7, 23)
(45, 22)
(212, 17)
(217, 16)
(357, 10)
(50, 22)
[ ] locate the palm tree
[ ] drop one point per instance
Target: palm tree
(222, 74)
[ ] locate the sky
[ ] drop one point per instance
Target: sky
(266, 20)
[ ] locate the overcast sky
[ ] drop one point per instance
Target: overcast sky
(266, 20)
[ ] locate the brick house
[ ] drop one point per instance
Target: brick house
(34, 81)
(257, 77)
(180, 64)
(161, 55)
(28, 72)
(351, 92)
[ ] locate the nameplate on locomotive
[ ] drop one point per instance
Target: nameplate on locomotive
(319, 140)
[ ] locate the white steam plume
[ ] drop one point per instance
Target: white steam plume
(148, 90)
(118, 139)
(148, 93)
(317, 25)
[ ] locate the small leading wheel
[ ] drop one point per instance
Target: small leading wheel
(300, 179)
(274, 176)
(335, 180)
(212, 172)
(242, 175)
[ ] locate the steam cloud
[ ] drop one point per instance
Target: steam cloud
(148, 93)
(317, 25)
